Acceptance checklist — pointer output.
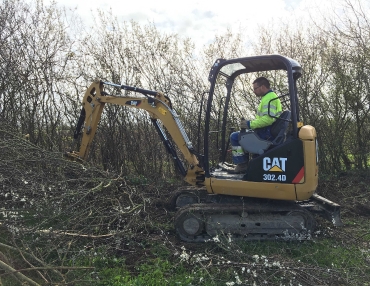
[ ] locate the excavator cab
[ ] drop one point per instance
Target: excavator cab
(284, 168)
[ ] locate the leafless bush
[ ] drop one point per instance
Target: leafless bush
(42, 82)
(32, 74)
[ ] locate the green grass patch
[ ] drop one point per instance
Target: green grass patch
(236, 262)
(323, 253)
(157, 271)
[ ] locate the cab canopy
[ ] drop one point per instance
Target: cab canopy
(230, 69)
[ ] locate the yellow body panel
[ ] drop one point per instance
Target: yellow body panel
(253, 189)
(307, 132)
(306, 189)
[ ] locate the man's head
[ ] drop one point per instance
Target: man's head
(261, 86)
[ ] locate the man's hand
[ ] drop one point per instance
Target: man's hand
(244, 124)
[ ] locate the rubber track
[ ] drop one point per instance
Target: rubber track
(261, 208)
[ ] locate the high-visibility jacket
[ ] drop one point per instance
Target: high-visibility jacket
(263, 118)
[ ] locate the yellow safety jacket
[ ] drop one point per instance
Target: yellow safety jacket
(263, 118)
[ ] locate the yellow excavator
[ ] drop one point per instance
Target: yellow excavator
(274, 199)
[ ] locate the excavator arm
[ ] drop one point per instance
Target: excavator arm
(158, 107)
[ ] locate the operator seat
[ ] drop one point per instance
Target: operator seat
(252, 143)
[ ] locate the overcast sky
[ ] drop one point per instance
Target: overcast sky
(199, 20)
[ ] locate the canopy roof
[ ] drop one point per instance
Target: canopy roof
(258, 63)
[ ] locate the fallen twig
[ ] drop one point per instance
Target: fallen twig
(19, 275)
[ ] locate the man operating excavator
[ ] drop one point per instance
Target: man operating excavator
(282, 176)
(261, 124)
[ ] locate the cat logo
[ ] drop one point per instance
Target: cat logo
(274, 164)
(133, 102)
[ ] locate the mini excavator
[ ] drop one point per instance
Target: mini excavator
(274, 199)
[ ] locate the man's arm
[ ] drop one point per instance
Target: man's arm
(261, 122)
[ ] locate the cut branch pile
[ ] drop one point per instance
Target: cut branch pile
(53, 208)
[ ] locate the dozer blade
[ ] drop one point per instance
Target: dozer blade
(325, 208)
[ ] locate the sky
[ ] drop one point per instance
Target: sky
(199, 20)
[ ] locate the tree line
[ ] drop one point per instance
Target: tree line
(48, 59)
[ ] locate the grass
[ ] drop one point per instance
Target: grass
(274, 263)
(336, 255)
(341, 255)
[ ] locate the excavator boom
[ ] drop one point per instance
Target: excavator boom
(159, 109)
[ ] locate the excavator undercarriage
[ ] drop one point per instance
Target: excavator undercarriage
(201, 217)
